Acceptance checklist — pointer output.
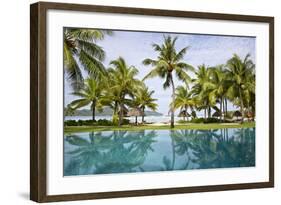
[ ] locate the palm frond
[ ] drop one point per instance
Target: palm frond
(180, 54)
(94, 67)
(92, 49)
(79, 103)
(149, 61)
(167, 82)
(72, 69)
(88, 34)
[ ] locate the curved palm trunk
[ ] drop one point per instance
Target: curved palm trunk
(120, 114)
(225, 104)
(186, 113)
(114, 112)
(205, 113)
(221, 109)
(241, 105)
(209, 111)
(142, 117)
(94, 111)
(173, 100)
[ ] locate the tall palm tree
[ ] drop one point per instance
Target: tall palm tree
(241, 71)
(123, 84)
(112, 99)
(251, 95)
(90, 94)
(143, 99)
(80, 48)
(201, 89)
(220, 86)
(169, 61)
(184, 99)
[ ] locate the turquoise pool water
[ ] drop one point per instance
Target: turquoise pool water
(157, 150)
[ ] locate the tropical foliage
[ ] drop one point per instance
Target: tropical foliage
(123, 84)
(242, 89)
(183, 101)
(205, 88)
(90, 94)
(168, 62)
(143, 99)
(81, 50)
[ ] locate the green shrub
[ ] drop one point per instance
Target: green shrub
(125, 122)
(104, 122)
(70, 123)
(202, 120)
(85, 122)
(212, 120)
(229, 114)
(182, 121)
(197, 120)
(100, 122)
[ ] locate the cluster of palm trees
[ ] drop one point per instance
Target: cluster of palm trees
(116, 87)
(233, 82)
(119, 88)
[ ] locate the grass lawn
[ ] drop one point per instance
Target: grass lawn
(71, 129)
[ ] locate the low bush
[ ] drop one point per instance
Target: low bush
(197, 120)
(103, 122)
(100, 122)
(202, 120)
(229, 115)
(70, 123)
(125, 122)
(182, 121)
(212, 120)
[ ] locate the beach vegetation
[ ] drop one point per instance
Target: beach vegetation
(207, 89)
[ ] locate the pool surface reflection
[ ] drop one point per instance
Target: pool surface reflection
(157, 150)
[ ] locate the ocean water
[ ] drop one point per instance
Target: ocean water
(109, 152)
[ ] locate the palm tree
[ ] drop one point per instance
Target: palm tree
(123, 83)
(143, 99)
(242, 74)
(80, 48)
(183, 100)
(69, 111)
(219, 88)
(201, 89)
(169, 61)
(90, 94)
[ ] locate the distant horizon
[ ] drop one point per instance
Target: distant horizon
(135, 46)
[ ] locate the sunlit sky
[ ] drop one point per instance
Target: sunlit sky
(134, 46)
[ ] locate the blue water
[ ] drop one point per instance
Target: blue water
(162, 150)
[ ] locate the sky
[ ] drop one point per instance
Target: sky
(134, 47)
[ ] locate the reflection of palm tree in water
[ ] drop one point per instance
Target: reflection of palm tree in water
(169, 164)
(122, 151)
(220, 150)
(116, 152)
(181, 142)
(87, 152)
(202, 148)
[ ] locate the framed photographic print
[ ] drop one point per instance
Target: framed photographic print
(134, 102)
